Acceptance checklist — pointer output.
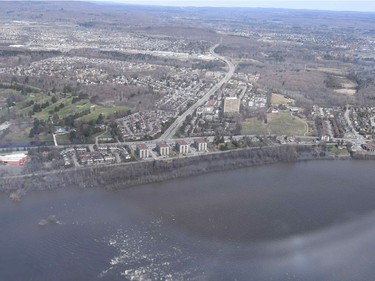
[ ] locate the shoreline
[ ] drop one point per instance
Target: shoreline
(125, 175)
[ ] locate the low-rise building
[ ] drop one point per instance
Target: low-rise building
(109, 158)
(81, 150)
(368, 147)
(142, 150)
(18, 159)
(162, 148)
(182, 146)
(200, 144)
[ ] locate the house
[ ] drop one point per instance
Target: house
(109, 158)
(142, 150)
(200, 144)
(182, 146)
(293, 109)
(162, 148)
(61, 131)
(81, 150)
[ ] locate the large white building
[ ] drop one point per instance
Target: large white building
(142, 150)
(162, 148)
(182, 146)
(200, 144)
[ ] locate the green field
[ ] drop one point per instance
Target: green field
(338, 152)
(282, 123)
(63, 139)
(48, 107)
(106, 111)
(19, 135)
(277, 99)
(253, 126)
(26, 105)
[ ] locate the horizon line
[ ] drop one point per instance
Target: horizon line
(364, 6)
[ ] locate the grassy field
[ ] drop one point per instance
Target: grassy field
(7, 91)
(253, 126)
(46, 137)
(338, 152)
(279, 99)
(106, 111)
(18, 135)
(282, 123)
(63, 139)
(36, 103)
(26, 106)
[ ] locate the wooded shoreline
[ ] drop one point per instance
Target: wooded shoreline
(136, 173)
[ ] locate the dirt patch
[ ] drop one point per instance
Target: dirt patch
(350, 92)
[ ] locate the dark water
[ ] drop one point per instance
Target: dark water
(304, 221)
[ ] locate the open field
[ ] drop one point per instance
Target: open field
(338, 152)
(283, 123)
(96, 110)
(279, 99)
(350, 92)
(63, 139)
(334, 71)
(18, 135)
(253, 126)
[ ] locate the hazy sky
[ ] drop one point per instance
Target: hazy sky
(347, 5)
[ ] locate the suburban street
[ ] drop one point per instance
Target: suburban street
(171, 131)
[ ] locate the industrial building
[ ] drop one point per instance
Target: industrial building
(18, 159)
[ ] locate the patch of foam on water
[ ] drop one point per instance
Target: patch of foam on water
(145, 253)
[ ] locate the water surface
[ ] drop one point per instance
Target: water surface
(302, 221)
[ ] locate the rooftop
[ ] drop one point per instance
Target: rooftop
(181, 142)
(142, 146)
(162, 144)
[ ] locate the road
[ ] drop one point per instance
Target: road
(171, 131)
(358, 138)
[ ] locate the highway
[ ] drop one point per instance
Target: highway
(171, 131)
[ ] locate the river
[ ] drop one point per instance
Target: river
(300, 221)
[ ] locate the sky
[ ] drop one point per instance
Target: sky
(342, 5)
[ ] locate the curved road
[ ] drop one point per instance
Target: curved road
(171, 131)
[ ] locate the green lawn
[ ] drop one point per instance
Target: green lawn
(46, 137)
(106, 111)
(63, 139)
(8, 91)
(18, 135)
(277, 99)
(253, 126)
(282, 123)
(337, 151)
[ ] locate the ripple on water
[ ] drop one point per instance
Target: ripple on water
(146, 253)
